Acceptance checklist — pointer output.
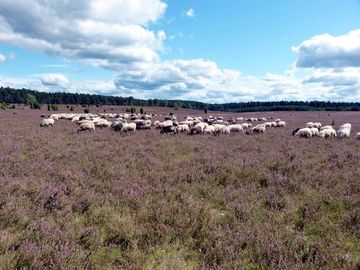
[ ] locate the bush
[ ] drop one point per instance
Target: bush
(87, 110)
(127, 110)
(3, 106)
(71, 108)
(32, 102)
(54, 107)
(141, 111)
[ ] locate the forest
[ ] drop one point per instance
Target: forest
(37, 99)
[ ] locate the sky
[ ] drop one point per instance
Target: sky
(210, 51)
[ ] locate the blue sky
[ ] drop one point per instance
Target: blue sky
(255, 36)
(214, 51)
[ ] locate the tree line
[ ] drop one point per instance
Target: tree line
(35, 99)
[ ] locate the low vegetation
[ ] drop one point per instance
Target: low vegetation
(104, 200)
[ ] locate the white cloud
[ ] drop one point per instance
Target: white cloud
(327, 51)
(2, 58)
(190, 13)
(55, 80)
(112, 31)
(117, 35)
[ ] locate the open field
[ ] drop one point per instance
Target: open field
(102, 200)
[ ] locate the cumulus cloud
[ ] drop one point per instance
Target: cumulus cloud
(106, 31)
(2, 58)
(327, 51)
(55, 80)
(117, 35)
(190, 13)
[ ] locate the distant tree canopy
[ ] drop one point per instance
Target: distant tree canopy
(35, 99)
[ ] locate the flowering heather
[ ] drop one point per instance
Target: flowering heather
(102, 200)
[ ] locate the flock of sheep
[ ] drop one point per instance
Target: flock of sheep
(317, 130)
(192, 125)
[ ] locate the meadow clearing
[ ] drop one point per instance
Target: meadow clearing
(145, 200)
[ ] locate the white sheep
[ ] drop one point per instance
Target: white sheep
(304, 132)
(259, 128)
(183, 129)
(165, 124)
(326, 127)
(280, 124)
(47, 122)
(225, 130)
(218, 127)
(314, 131)
(344, 131)
(128, 127)
(357, 136)
(327, 133)
(88, 125)
(246, 125)
(210, 130)
(317, 125)
(201, 126)
(236, 128)
(267, 124)
(103, 123)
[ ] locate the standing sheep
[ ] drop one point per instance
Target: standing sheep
(344, 131)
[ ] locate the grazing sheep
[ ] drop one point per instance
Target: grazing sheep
(357, 136)
(88, 125)
(55, 116)
(168, 129)
(167, 123)
(304, 133)
(280, 124)
(183, 129)
(309, 124)
(116, 126)
(196, 130)
(201, 126)
(187, 122)
(259, 129)
(314, 131)
(295, 131)
(226, 130)
(317, 125)
(128, 127)
(210, 130)
(218, 127)
(246, 125)
(103, 123)
(268, 124)
(236, 128)
(326, 127)
(327, 133)
(47, 122)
